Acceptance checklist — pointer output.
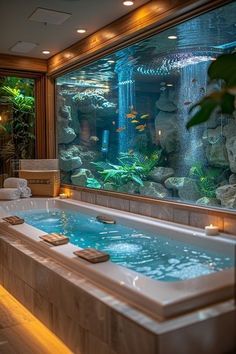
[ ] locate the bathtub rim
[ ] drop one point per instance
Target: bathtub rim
(157, 298)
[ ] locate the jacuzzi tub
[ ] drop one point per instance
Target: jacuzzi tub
(158, 298)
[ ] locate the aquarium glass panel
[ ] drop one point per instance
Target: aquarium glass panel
(121, 121)
(17, 123)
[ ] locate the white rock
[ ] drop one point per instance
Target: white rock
(231, 149)
(227, 195)
(160, 174)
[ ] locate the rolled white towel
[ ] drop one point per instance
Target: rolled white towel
(26, 192)
(13, 182)
(9, 193)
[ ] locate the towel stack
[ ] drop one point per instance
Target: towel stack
(15, 188)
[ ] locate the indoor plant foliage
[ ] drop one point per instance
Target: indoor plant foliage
(20, 125)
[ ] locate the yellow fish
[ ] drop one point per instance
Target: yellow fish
(94, 138)
(134, 121)
(145, 116)
(130, 115)
(141, 127)
(118, 130)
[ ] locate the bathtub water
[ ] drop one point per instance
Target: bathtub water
(153, 255)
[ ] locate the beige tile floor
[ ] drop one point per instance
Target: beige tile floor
(22, 333)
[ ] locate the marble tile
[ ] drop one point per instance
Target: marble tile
(211, 336)
(88, 197)
(201, 220)
(181, 216)
(69, 331)
(42, 309)
(95, 346)
(128, 337)
(162, 212)
(230, 225)
(140, 208)
(119, 203)
(102, 200)
(75, 194)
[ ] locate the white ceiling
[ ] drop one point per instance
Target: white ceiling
(90, 14)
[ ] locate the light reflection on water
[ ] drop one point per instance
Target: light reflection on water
(154, 256)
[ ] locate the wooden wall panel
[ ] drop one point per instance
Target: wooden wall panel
(14, 62)
(50, 119)
(153, 17)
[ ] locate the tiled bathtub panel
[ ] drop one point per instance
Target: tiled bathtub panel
(230, 225)
(102, 200)
(201, 220)
(214, 335)
(88, 197)
(181, 216)
(140, 208)
(69, 331)
(128, 337)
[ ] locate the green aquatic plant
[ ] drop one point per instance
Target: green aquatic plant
(207, 179)
(222, 69)
(132, 167)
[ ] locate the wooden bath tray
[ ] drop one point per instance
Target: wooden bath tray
(92, 255)
(14, 220)
(105, 219)
(55, 239)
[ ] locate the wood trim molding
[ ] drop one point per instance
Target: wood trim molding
(50, 119)
(40, 117)
(15, 62)
(153, 17)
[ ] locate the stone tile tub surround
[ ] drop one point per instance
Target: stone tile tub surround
(91, 320)
(161, 299)
(180, 213)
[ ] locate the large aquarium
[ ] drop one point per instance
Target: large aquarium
(121, 121)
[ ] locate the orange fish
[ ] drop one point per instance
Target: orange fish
(130, 115)
(119, 130)
(141, 127)
(145, 116)
(134, 112)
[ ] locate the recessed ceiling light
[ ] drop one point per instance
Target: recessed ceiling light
(81, 30)
(73, 78)
(111, 61)
(172, 37)
(169, 85)
(128, 2)
(46, 52)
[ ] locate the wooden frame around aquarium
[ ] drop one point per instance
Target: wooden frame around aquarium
(139, 24)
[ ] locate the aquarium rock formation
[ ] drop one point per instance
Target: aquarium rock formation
(186, 187)
(227, 195)
(92, 100)
(160, 174)
(79, 177)
(69, 158)
(154, 189)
